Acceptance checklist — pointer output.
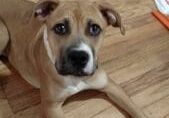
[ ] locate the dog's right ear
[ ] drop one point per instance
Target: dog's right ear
(43, 9)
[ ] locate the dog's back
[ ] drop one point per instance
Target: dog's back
(15, 12)
(13, 15)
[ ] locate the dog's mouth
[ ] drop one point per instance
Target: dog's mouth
(72, 71)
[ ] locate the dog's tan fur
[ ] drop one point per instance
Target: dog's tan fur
(28, 53)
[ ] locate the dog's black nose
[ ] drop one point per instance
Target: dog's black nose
(78, 59)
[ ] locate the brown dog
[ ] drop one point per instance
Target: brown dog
(54, 46)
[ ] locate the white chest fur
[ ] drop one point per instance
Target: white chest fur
(74, 85)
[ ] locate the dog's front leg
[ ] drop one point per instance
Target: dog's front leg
(117, 95)
(53, 110)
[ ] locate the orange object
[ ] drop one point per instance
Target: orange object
(162, 18)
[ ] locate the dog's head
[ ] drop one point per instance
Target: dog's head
(74, 32)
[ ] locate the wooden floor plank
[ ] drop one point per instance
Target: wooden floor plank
(146, 80)
(5, 110)
(138, 62)
(152, 94)
(89, 109)
(135, 56)
(2, 94)
(111, 112)
(20, 94)
(159, 109)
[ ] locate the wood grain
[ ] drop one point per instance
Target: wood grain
(138, 62)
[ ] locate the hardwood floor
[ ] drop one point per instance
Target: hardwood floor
(138, 62)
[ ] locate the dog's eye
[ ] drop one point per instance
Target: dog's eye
(61, 28)
(94, 29)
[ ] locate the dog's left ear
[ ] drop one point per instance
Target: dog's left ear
(112, 17)
(44, 8)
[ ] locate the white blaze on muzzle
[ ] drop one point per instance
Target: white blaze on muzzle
(47, 45)
(90, 64)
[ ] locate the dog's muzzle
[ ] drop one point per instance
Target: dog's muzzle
(77, 61)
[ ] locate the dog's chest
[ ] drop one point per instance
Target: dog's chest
(74, 85)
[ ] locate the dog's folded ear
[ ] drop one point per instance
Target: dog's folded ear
(44, 8)
(112, 17)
